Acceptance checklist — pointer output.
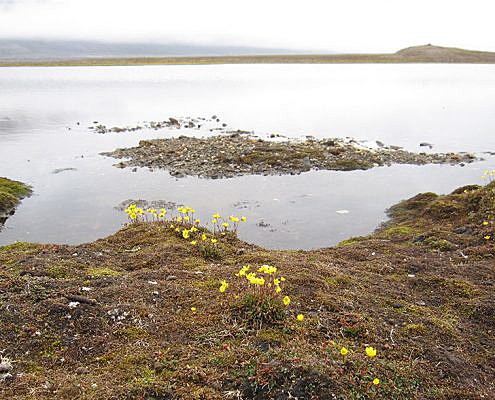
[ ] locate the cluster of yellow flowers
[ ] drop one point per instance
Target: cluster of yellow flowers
(134, 212)
(185, 224)
(490, 175)
(369, 351)
(268, 284)
(270, 279)
(223, 225)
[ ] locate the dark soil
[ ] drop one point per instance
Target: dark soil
(238, 154)
(112, 319)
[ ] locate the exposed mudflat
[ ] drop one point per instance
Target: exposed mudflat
(226, 156)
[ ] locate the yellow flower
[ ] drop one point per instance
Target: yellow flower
(370, 352)
(282, 279)
(214, 241)
(300, 317)
(197, 221)
(214, 220)
(286, 300)
(186, 218)
(223, 286)
(203, 237)
(376, 381)
(163, 211)
(216, 215)
(194, 242)
(193, 309)
(243, 270)
(234, 219)
(225, 225)
(485, 223)
(194, 229)
(344, 351)
(267, 269)
(487, 237)
(243, 219)
(185, 234)
(278, 289)
(179, 219)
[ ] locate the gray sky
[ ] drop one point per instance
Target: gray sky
(343, 25)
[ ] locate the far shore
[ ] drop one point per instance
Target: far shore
(478, 58)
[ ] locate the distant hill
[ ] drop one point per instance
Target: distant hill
(432, 53)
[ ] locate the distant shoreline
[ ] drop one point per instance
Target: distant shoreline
(261, 59)
(410, 55)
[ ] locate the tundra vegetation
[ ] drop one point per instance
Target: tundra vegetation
(11, 193)
(171, 307)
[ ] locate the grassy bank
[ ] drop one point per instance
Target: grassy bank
(11, 193)
(139, 315)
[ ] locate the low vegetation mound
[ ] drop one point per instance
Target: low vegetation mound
(11, 193)
(159, 311)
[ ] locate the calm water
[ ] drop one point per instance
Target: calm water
(450, 106)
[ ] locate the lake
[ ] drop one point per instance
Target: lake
(450, 106)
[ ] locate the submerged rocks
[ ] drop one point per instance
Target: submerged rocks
(234, 155)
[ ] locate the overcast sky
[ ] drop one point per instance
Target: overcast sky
(321, 25)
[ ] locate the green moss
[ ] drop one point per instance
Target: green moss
(414, 329)
(7, 201)
(439, 244)
(18, 247)
(405, 209)
(207, 284)
(11, 192)
(102, 271)
(398, 232)
(338, 280)
(443, 208)
(132, 332)
(351, 241)
(15, 188)
(57, 271)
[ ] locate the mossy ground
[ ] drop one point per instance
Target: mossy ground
(429, 311)
(11, 193)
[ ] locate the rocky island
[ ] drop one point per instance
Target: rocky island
(225, 156)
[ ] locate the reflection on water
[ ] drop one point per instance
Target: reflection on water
(449, 106)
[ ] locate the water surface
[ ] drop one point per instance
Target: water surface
(450, 106)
